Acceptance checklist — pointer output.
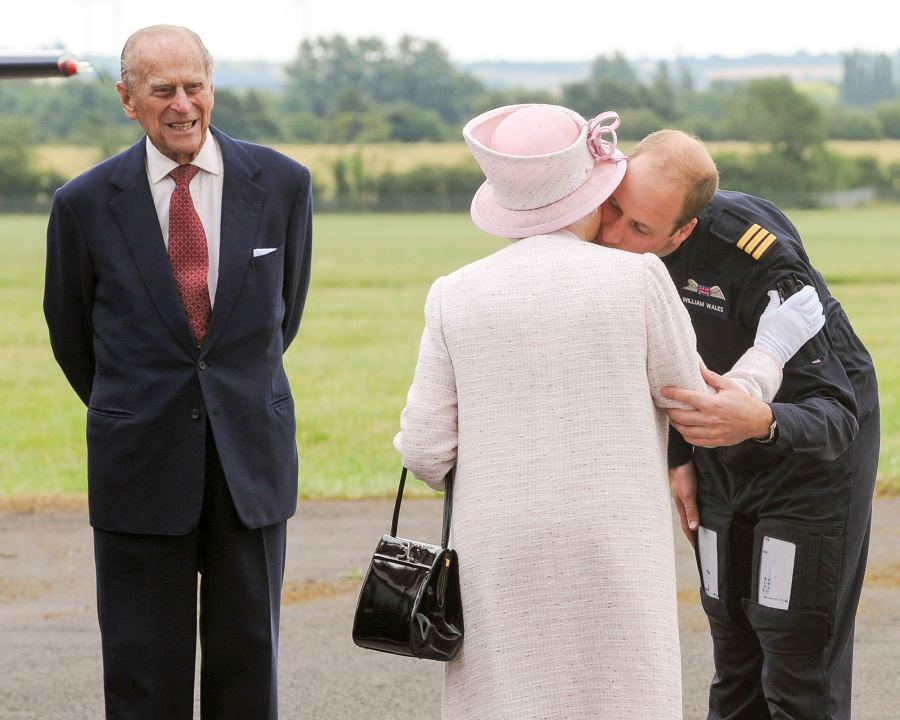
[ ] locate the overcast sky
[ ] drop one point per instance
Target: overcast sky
(470, 29)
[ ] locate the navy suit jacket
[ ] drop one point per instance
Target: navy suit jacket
(121, 336)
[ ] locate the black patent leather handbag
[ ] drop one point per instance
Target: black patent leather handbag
(409, 603)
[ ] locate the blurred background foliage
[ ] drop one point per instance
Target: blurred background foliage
(359, 93)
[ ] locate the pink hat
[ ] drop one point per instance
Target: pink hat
(545, 165)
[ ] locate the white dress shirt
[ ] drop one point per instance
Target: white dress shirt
(206, 194)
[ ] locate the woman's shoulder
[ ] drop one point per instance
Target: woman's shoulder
(653, 266)
(486, 264)
(621, 262)
(547, 252)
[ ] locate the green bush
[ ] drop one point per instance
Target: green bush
(410, 123)
(424, 188)
(22, 187)
(889, 115)
(638, 122)
(846, 123)
(798, 183)
(304, 127)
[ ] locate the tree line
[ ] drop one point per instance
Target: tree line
(367, 91)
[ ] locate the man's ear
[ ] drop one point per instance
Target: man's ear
(125, 98)
(683, 233)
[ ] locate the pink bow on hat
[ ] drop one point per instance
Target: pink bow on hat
(603, 149)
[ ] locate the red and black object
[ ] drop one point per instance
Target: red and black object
(38, 65)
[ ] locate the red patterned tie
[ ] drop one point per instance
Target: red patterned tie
(188, 252)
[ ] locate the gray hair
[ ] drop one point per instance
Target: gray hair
(129, 76)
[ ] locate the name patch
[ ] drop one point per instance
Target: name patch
(706, 292)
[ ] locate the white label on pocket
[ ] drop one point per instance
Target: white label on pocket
(709, 561)
(776, 572)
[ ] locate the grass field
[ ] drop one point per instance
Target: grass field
(352, 362)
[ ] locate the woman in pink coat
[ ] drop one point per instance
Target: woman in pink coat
(539, 377)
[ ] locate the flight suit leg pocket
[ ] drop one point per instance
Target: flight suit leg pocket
(796, 569)
(722, 543)
(724, 550)
(797, 566)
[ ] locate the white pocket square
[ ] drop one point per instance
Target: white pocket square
(258, 252)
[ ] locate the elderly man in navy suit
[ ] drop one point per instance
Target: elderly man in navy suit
(176, 276)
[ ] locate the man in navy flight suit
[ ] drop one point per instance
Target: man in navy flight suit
(784, 489)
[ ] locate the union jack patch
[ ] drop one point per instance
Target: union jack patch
(707, 293)
(705, 290)
(756, 240)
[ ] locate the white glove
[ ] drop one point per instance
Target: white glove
(785, 327)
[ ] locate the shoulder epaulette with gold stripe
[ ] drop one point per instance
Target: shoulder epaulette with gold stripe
(755, 241)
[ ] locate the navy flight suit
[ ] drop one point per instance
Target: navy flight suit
(785, 525)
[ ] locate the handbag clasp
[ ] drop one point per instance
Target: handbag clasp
(411, 553)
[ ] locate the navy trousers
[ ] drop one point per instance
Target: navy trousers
(147, 593)
(793, 663)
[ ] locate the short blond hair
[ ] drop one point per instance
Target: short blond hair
(682, 159)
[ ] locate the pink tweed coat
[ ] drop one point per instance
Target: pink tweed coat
(539, 376)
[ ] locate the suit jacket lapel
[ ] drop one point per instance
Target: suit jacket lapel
(242, 202)
(135, 214)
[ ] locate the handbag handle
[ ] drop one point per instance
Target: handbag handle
(448, 506)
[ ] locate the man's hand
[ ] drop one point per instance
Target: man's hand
(683, 486)
(728, 417)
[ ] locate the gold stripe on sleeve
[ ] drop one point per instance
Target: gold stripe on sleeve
(751, 231)
(757, 240)
(765, 245)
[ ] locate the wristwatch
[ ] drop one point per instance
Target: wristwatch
(773, 434)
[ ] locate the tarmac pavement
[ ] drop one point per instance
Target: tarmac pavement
(50, 666)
